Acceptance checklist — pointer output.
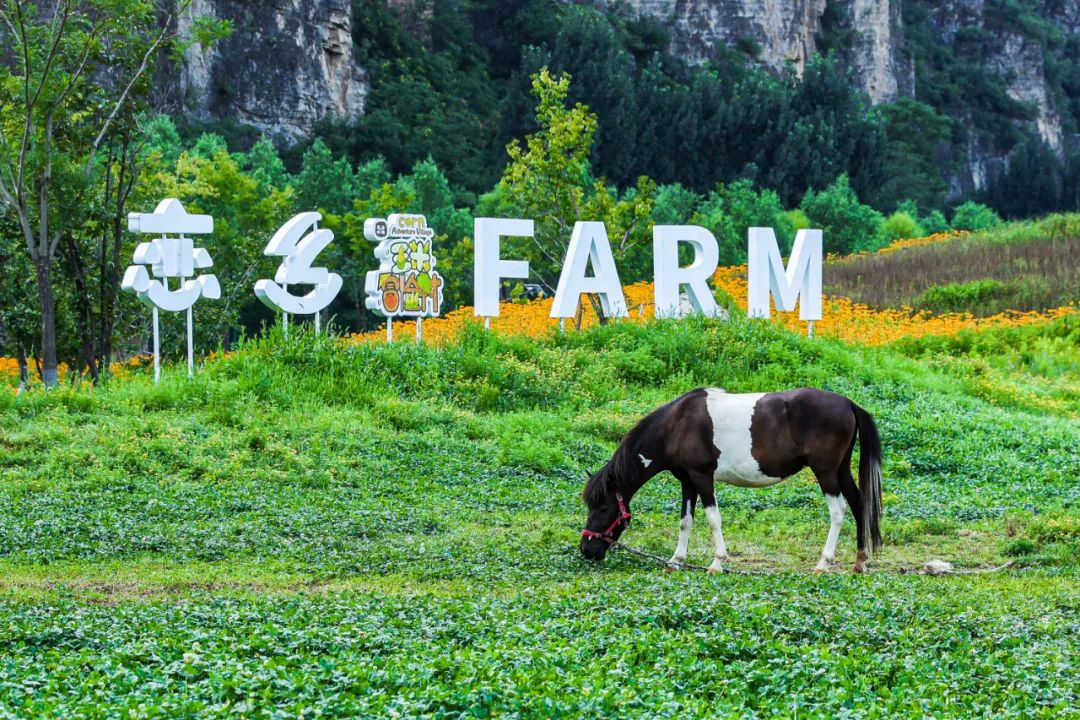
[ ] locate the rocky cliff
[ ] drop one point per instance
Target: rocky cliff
(778, 32)
(286, 65)
(869, 38)
(289, 63)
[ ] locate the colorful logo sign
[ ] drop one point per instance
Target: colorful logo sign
(406, 283)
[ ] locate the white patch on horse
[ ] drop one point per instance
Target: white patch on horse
(837, 510)
(644, 460)
(731, 416)
(712, 514)
(686, 524)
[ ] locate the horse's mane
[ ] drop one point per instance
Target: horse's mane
(624, 466)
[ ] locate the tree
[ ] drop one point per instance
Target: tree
(72, 70)
(914, 131)
(549, 179)
(846, 223)
(973, 216)
(324, 183)
(731, 209)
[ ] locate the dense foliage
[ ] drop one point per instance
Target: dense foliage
(465, 68)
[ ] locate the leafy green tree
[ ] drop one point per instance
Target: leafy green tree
(915, 131)
(1032, 183)
(324, 182)
(160, 136)
(549, 179)
(245, 215)
(846, 223)
(731, 209)
(264, 165)
(73, 70)
(674, 204)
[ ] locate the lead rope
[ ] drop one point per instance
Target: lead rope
(682, 565)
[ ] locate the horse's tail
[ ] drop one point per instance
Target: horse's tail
(869, 476)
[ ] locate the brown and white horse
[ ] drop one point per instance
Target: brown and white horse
(750, 440)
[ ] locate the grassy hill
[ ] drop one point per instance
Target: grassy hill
(1033, 265)
(372, 530)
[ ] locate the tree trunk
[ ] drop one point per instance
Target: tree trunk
(598, 307)
(47, 301)
(24, 373)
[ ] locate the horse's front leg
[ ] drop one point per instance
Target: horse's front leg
(686, 525)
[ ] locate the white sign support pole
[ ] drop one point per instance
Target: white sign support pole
(317, 315)
(487, 323)
(419, 330)
(389, 330)
(190, 345)
(810, 329)
(157, 348)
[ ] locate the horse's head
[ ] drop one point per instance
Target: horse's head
(609, 515)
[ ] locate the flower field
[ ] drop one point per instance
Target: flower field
(843, 318)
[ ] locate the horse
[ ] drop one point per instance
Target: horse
(749, 440)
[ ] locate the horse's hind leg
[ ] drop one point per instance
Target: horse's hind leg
(686, 524)
(830, 487)
(854, 499)
(712, 514)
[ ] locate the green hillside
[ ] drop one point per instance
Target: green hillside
(391, 531)
(1032, 265)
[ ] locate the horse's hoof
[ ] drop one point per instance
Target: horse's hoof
(820, 571)
(670, 568)
(715, 571)
(861, 569)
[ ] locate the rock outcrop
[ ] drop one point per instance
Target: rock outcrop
(868, 35)
(775, 33)
(286, 65)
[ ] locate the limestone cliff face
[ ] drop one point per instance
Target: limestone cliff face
(869, 36)
(787, 31)
(287, 65)
(969, 27)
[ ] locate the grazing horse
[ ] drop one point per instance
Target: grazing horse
(751, 440)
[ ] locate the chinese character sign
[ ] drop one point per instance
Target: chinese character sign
(170, 257)
(406, 283)
(173, 255)
(298, 251)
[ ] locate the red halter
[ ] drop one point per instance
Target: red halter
(606, 536)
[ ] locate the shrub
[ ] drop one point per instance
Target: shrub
(898, 226)
(730, 209)
(960, 296)
(974, 216)
(934, 223)
(848, 225)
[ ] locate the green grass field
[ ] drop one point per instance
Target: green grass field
(308, 529)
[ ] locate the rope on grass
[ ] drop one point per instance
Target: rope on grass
(933, 567)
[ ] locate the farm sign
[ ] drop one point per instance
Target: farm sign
(589, 244)
(407, 285)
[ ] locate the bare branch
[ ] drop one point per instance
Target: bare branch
(127, 90)
(53, 52)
